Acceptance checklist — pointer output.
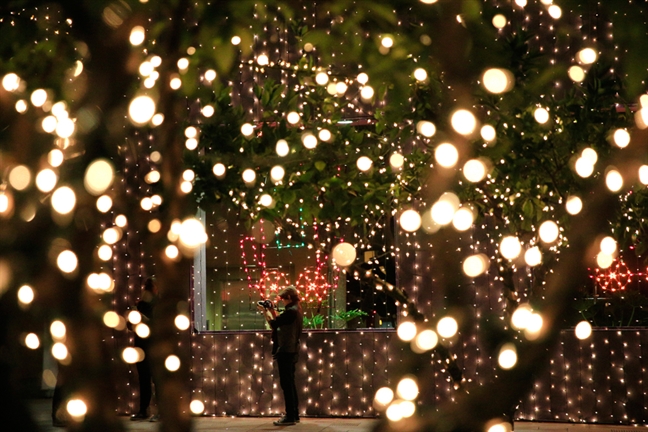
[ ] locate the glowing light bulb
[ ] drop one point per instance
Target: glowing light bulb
(197, 407)
(488, 133)
(548, 231)
(137, 35)
(576, 73)
(463, 219)
(277, 173)
(608, 245)
(447, 327)
(325, 135)
(587, 56)
(463, 121)
(343, 254)
(263, 60)
(406, 331)
(322, 78)
(554, 11)
(407, 388)
(474, 170)
(247, 129)
(621, 138)
(510, 247)
(249, 176)
(20, 177)
(397, 160)
(32, 341)
(446, 155)
(499, 21)
(219, 169)
(46, 180)
(507, 357)
(583, 330)
(410, 220)
(497, 81)
(420, 74)
(309, 140)
(533, 256)
(25, 294)
(63, 200)
(364, 163)
(426, 128)
(614, 180)
(426, 340)
(293, 118)
(574, 205)
(99, 176)
(384, 396)
(584, 168)
(541, 115)
(172, 363)
(475, 265)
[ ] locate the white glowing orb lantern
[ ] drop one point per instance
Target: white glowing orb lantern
(554, 11)
(604, 260)
(587, 56)
(447, 327)
(584, 168)
(293, 118)
(426, 128)
(510, 247)
(548, 231)
(277, 173)
(474, 170)
(499, 21)
(541, 115)
(219, 170)
(583, 330)
(46, 180)
(407, 389)
(621, 138)
(192, 233)
(309, 140)
(343, 254)
(475, 265)
(420, 74)
(608, 245)
(384, 396)
(446, 155)
(282, 148)
(576, 73)
(397, 160)
(614, 180)
(141, 109)
(76, 408)
(507, 357)
(249, 176)
(98, 177)
(425, 340)
(406, 331)
(533, 256)
(497, 80)
(364, 163)
(574, 205)
(325, 135)
(410, 220)
(247, 129)
(172, 363)
(197, 407)
(488, 133)
(463, 121)
(137, 35)
(463, 219)
(321, 78)
(63, 200)
(643, 174)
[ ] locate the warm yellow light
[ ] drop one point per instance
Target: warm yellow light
(197, 407)
(104, 203)
(488, 133)
(20, 177)
(362, 78)
(172, 363)
(604, 260)
(38, 97)
(207, 111)
(406, 331)
(137, 35)
(99, 176)
(383, 397)
(387, 41)
(507, 357)
(46, 180)
(309, 140)
(608, 245)
(249, 176)
(367, 93)
(321, 78)
(426, 128)
(548, 231)
(112, 235)
(584, 168)
(497, 80)
(343, 254)
(420, 74)
(11, 82)
(576, 73)
(364, 163)
(541, 115)
(282, 148)
(32, 341)
(293, 117)
(583, 330)
(58, 330)
(554, 11)
(447, 327)
(182, 63)
(76, 408)
(474, 170)
(219, 169)
(574, 205)
(266, 200)
(67, 261)
(263, 60)
(587, 56)
(277, 173)
(59, 351)
(111, 319)
(446, 155)
(533, 256)
(192, 233)
(25, 294)
(463, 121)
(463, 219)
(407, 388)
(425, 340)
(614, 180)
(142, 330)
(325, 135)
(475, 265)
(410, 220)
(141, 109)
(131, 355)
(499, 21)
(396, 160)
(210, 75)
(621, 138)
(182, 322)
(510, 247)
(247, 129)
(154, 225)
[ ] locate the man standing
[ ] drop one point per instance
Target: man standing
(286, 331)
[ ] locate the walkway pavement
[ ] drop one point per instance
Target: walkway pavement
(41, 412)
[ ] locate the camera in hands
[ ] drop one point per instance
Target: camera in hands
(266, 304)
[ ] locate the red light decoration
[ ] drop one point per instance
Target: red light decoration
(312, 285)
(271, 283)
(615, 278)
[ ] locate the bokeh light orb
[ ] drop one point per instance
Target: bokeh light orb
(406, 331)
(474, 170)
(219, 169)
(463, 121)
(548, 231)
(364, 163)
(488, 133)
(614, 180)
(574, 205)
(172, 363)
(420, 74)
(426, 340)
(98, 176)
(426, 128)
(247, 129)
(277, 173)
(497, 80)
(621, 138)
(541, 115)
(533, 256)
(197, 407)
(397, 160)
(343, 254)
(576, 73)
(510, 247)
(475, 265)
(583, 330)
(410, 220)
(463, 219)
(507, 357)
(447, 327)
(499, 21)
(587, 56)
(407, 388)
(608, 245)
(249, 176)
(383, 397)
(141, 109)
(446, 155)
